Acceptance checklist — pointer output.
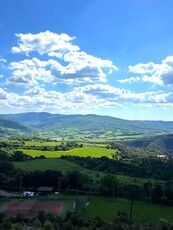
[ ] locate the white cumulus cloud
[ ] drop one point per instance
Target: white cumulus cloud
(44, 42)
(27, 72)
(159, 74)
(3, 60)
(68, 64)
(112, 94)
(35, 91)
(129, 80)
(86, 98)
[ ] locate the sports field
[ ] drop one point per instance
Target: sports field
(107, 209)
(32, 208)
(59, 205)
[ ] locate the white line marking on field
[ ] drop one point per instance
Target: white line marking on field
(60, 209)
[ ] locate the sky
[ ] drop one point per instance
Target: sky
(105, 57)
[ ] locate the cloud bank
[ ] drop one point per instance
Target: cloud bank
(65, 62)
(51, 73)
(158, 74)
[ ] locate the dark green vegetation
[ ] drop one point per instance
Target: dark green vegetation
(82, 127)
(162, 143)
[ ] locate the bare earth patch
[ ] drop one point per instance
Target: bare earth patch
(32, 208)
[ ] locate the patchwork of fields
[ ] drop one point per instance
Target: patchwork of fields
(89, 149)
(105, 208)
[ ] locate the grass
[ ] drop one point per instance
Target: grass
(44, 164)
(64, 165)
(54, 143)
(107, 208)
(42, 143)
(55, 164)
(82, 152)
(116, 137)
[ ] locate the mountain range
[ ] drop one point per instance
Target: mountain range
(60, 123)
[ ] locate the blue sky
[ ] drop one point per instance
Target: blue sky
(108, 57)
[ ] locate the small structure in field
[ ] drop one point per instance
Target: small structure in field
(45, 191)
(163, 156)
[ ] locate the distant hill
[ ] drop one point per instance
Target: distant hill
(162, 143)
(93, 124)
(31, 119)
(10, 127)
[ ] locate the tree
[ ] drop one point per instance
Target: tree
(6, 226)
(7, 168)
(133, 192)
(48, 225)
(76, 180)
(42, 217)
(111, 183)
(20, 156)
(4, 156)
(157, 191)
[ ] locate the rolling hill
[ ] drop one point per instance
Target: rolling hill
(162, 143)
(11, 127)
(91, 125)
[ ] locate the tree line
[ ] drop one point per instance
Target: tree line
(148, 167)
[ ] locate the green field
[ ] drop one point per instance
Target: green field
(64, 165)
(110, 138)
(42, 143)
(44, 164)
(82, 152)
(107, 208)
(54, 164)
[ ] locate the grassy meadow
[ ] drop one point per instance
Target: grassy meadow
(107, 208)
(82, 152)
(64, 166)
(42, 143)
(44, 164)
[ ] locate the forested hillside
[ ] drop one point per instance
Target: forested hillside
(12, 127)
(162, 143)
(91, 126)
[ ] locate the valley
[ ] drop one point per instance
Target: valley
(84, 128)
(116, 167)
